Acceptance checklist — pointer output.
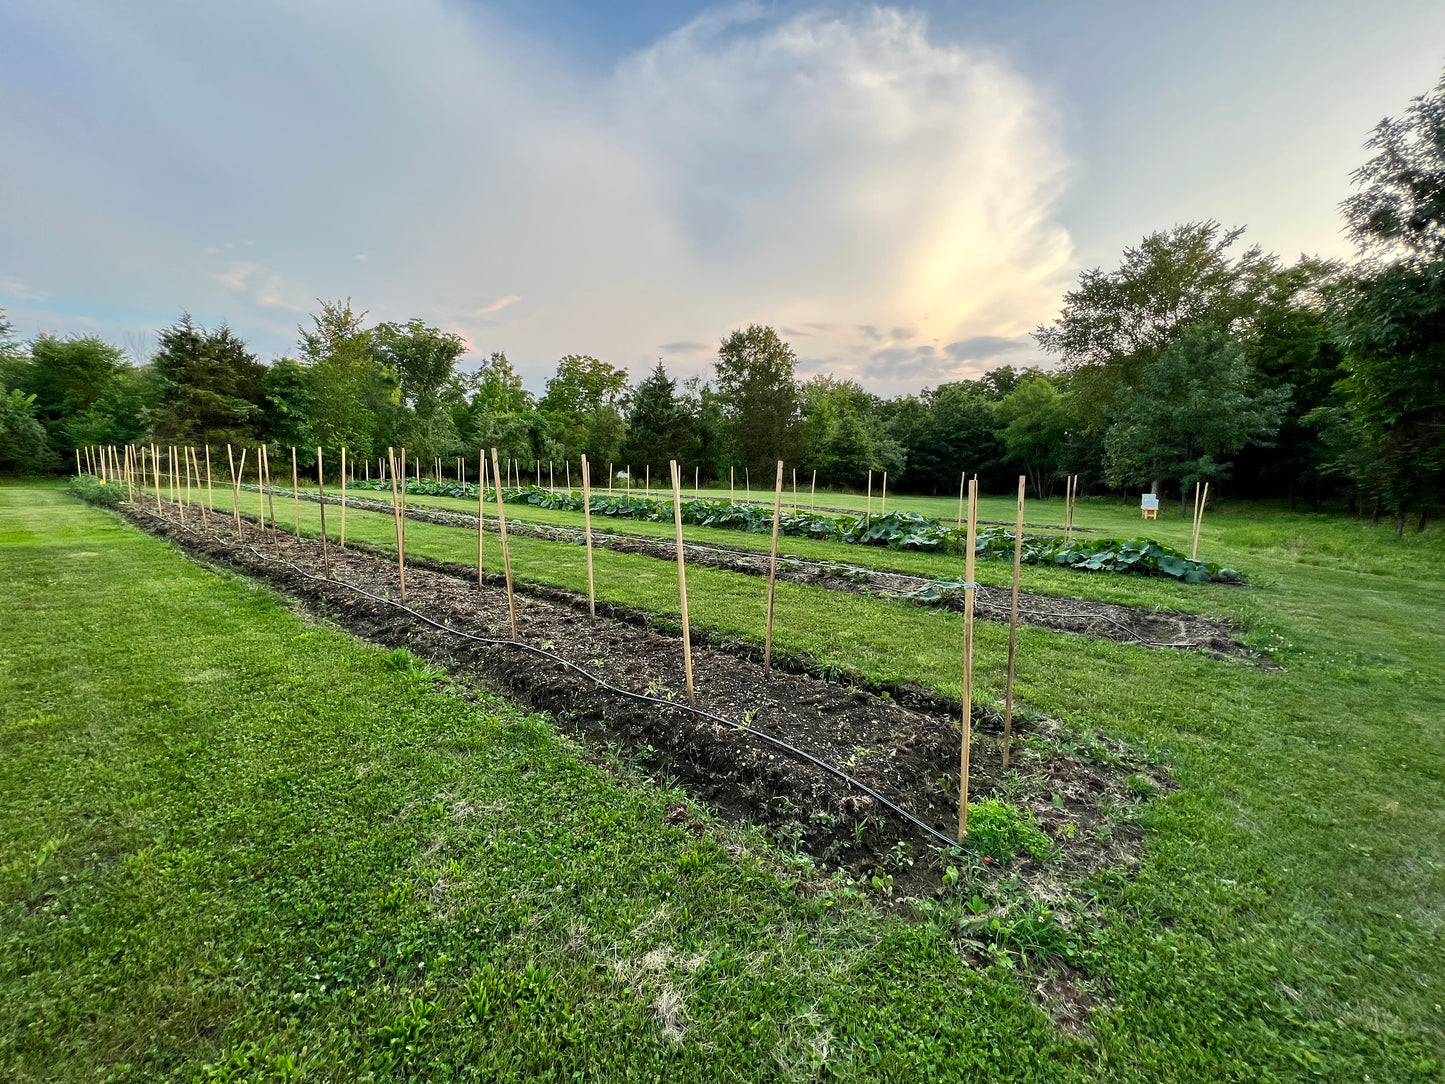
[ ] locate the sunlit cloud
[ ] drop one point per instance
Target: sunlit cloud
(875, 192)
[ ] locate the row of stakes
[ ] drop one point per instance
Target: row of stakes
(112, 466)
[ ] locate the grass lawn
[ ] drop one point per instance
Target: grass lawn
(232, 839)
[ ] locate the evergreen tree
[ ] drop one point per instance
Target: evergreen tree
(212, 389)
(759, 396)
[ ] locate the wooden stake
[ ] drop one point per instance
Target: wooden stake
(870, 494)
(1199, 522)
(171, 480)
(682, 583)
(205, 518)
(647, 481)
(773, 567)
(551, 479)
(967, 661)
(270, 487)
(321, 503)
(185, 455)
(79, 464)
(813, 492)
(883, 509)
(609, 479)
(795, 489)
(295, 493)
(396, 521)
(506, 553)
(481, 507)
(401, 553)
(235, 490)
(696, 483)
(568, 464)
(962, 481)
(210, 494)
(1013, 624)
(748, 481)
(732, 482)
(343, 496)
(587, 530)
(156, 471)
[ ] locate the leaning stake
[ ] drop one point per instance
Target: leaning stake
(321, 503)
(773, 567)
(682, 582)
(1013, 625)
(506, 553)
(587, 530)
(968, 593)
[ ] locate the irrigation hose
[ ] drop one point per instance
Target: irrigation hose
(778, 743)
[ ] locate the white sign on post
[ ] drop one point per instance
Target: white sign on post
(1150, 502)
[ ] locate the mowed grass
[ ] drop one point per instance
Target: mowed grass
(235, 846)
(165, 898)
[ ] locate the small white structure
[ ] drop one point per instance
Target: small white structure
(1149, 505)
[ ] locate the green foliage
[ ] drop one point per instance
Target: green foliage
(1192, 408)
(347, 385)
(422, 359)
(659, 427)
(92, 490)
(759, 396)
(23, 447)
(1036, 420)
(212, 390)
(999, 831)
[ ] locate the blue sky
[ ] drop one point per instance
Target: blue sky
(905, 191)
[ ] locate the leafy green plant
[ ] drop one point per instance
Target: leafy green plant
(93, 491)
(999, 831)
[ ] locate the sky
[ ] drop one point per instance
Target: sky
(904, 192)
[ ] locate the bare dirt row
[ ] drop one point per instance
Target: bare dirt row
(906, 754)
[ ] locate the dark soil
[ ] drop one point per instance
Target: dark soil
(1082, 791)
(1084, 617)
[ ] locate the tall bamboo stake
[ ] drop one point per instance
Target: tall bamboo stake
(79, 466)
(609, 479)
(962, 481)
(205, 518)
(321, 503)
(883, 509)
(748, 482)
(773, 567)
(295, 493)
(1013, 624)
(870, 494)
(235, 488)
(682, 583)
(568, 464)
(270, 489)
(396, 520)
(210, 494)
(481, 507)
(156, 468)
(403, 507)
(732, 484)
(343, 496)
(506, 553)
(813, 491)
(171, 480)
(185, 455)
(587, 531)
(795, 489)
(967, 661)
(1198, 522)
(647, 480)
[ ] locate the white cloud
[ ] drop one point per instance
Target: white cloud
(879, 192)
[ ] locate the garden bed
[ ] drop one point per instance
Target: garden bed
(1076, 794)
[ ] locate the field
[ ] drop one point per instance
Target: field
(246, 834)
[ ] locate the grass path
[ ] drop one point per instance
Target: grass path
(222, 827)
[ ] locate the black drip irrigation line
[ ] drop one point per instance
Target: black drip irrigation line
(778, 743)
(827, 566)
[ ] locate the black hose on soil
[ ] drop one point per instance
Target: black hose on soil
(778, 743)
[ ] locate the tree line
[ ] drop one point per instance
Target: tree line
(1197, 358)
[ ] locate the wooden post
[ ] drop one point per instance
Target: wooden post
(79, 464)
(773, 567)
(748, 481)
(568, 464)
(210, 494)
(732, 482)
(551, 479)
(205, 519)
(403, 508)
(962, 481)
(1202, 500)
(270, 487)
(968, 593)
(697, 482)
(171, 480)
(481, 507)
(295, 493)
(538, 463)
(156, 470)
(321, 503)
(870, 495)
(795, 489)
(682, 584)
(235, 487)
(628, 494)
(506, 553)
(883, 509)
(343, 496)
(813, 491)
(396, 520)
(647, 480)
(609, 479)
(1013, 624)
(587, 531)
(186, 457)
